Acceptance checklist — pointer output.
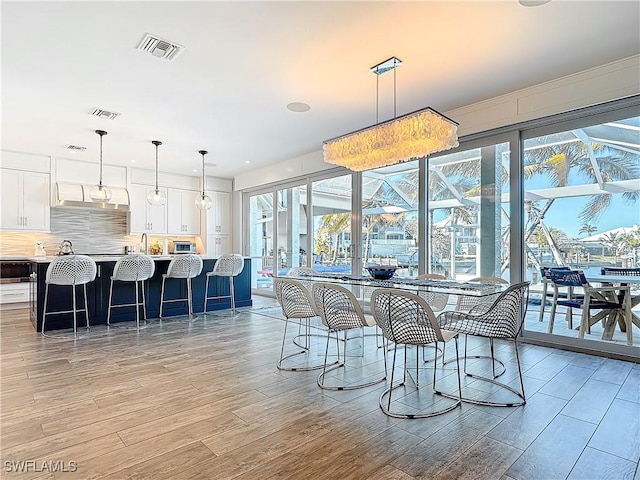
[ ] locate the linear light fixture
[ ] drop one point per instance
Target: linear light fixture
(414, 135)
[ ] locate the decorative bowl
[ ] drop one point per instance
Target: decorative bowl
(381, 273)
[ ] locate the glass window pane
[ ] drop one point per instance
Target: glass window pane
(331, 200)
(390, 217)
(581, 210)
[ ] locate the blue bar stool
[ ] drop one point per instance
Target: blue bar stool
(72, 270)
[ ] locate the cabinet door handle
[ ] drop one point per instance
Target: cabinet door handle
(99, 270)
(25, 221)
(19, 220)
(150, 225)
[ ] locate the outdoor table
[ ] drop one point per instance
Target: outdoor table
(635, 300)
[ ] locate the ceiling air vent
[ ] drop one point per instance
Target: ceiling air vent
(160, 48)
(98, 112)
(75, 148)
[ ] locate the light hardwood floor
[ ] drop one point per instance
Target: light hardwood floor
(204, 400)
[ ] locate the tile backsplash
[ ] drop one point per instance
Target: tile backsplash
(90, 232)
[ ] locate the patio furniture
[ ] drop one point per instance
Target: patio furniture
(544, 279)
(614, 299)
(406, 319)
(502, 320)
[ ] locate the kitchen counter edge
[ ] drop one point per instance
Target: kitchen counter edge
(115, 258)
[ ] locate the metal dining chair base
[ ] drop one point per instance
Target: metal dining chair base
(337, 365)
(305, 350)
(297, 369)
(392, 414)
(385, 406)
(518, 393)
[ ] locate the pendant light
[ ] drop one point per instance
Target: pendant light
(203, 202)
(100, 193)
(156, 197)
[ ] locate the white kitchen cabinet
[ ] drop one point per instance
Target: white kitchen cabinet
(219, 215)
(145, 218)
(11, 293)
(218, 245)
(25, 200)
(183, 218)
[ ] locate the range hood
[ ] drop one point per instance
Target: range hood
(77, 195)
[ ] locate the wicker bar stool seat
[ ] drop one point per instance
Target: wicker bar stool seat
(229, 265)
(184, 267)
(72, 270)
(136, 269)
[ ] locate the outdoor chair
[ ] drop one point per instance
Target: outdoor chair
(634, 272)
(544, 278)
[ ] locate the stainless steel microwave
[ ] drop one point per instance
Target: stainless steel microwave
(184, 247)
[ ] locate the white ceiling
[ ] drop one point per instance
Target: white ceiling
(243, 63)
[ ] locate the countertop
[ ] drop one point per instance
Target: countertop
(114, 258)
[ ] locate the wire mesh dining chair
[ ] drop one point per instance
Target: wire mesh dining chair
(297, 304)
(339, 311)
(502, 320)
(406, 319)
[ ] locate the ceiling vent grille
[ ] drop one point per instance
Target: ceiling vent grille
(75, 148)
(160, 48)
(98, 112)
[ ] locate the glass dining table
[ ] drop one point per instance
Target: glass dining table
(451, 287)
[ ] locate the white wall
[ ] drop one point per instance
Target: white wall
(597, 85)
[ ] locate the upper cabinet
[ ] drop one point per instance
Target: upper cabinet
(145, 218)
(219, 215)
(25, 200)
(183, 218)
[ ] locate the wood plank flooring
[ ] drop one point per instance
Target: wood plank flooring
(204, 400)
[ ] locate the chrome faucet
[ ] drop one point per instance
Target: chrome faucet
(143, 244)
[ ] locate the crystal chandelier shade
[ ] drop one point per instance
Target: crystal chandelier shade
(405, 138)
(100, 193)
(156, 197)
(203, 202)
(401, 139)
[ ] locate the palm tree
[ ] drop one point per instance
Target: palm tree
(614, 241)
(587, 229)
(330, 229)
(558, 161)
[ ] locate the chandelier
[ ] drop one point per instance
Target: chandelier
(411, 136)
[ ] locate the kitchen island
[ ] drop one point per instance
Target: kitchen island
(60, 297)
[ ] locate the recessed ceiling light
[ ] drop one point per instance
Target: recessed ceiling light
(133, 161)
(247, 161)
(298, 107)
(533, 3)
(196, 170)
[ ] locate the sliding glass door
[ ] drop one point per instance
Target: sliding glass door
(582, 211)
(468, 212)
